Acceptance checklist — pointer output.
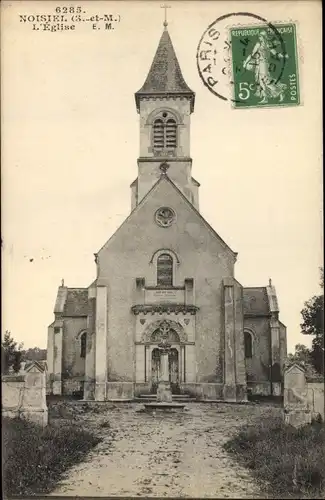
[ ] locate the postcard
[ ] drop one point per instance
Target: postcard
(162, 249)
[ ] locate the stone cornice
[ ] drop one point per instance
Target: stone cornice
(164, 308)
(159, 159)
(164, 287)
(156, 343)
(257, 315)
(164, 96)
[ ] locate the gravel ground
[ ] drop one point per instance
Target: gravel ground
(161, 455)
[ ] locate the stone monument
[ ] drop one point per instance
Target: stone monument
(164, 393)
(296, 407)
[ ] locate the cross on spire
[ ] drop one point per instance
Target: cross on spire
(165, 7)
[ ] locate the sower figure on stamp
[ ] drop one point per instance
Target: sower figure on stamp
(260, 62)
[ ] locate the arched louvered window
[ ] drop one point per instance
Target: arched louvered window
(165, 270)
(164, 133)
(248, 343)
(170, 133)
(158, 134)
(83, 344)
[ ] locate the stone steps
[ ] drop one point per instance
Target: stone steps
(178, 396)
(182, 398)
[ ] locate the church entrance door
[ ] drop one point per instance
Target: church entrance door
(173, 370)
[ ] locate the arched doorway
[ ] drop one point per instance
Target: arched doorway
(164, 331)
(173, 363)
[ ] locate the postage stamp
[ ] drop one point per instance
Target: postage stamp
(249, 61)
(264, 66)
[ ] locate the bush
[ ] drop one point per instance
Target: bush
(290, 460)
(35, 458)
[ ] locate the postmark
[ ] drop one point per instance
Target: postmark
(215, 59)
(259, 75)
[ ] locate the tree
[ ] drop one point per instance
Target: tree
(313, 324)
(301, 355)
(34, 354)
(11, 353)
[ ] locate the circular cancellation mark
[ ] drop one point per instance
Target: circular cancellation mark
(214, 53)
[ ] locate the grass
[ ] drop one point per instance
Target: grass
(289, 461)
(34, 458)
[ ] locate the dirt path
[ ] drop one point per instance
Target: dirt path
(169, 455)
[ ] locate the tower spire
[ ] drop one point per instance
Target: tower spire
(165, 77)
(165, 20)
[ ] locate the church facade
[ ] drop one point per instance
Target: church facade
(165, 274)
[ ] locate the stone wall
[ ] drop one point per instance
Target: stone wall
(72, 364)
(315, 396)
(24, 395)
(303, 397)
(66, 368)
(258, 366)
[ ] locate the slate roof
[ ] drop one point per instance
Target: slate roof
(255, 299)
(165, 76)
(60, 299)
(256, 302)
(76, 303)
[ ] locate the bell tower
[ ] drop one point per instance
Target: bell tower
(165, 104)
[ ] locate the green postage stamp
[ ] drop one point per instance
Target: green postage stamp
(265, 66)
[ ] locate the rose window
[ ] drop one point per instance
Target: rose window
(165, 216)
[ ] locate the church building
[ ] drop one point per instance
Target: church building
(173, 279)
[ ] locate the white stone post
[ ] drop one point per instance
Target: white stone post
(90, 373)
(58, 352)
(190, 364)
(148, 366)
(164, 367)
(295, 401)
(276, 369)
(229, 361)
(275, 340)
(164, 393)
(34, 406)
(139, 363)
(101, 343)
(50, 359)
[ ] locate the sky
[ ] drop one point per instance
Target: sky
(70, 142)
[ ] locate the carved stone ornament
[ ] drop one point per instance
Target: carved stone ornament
(165, 216)
(164, 308)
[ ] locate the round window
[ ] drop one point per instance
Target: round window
(165, 216)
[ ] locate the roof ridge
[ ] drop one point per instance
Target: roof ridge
(164, 176)
(251, 287)
(198, 213)
(132, 212)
